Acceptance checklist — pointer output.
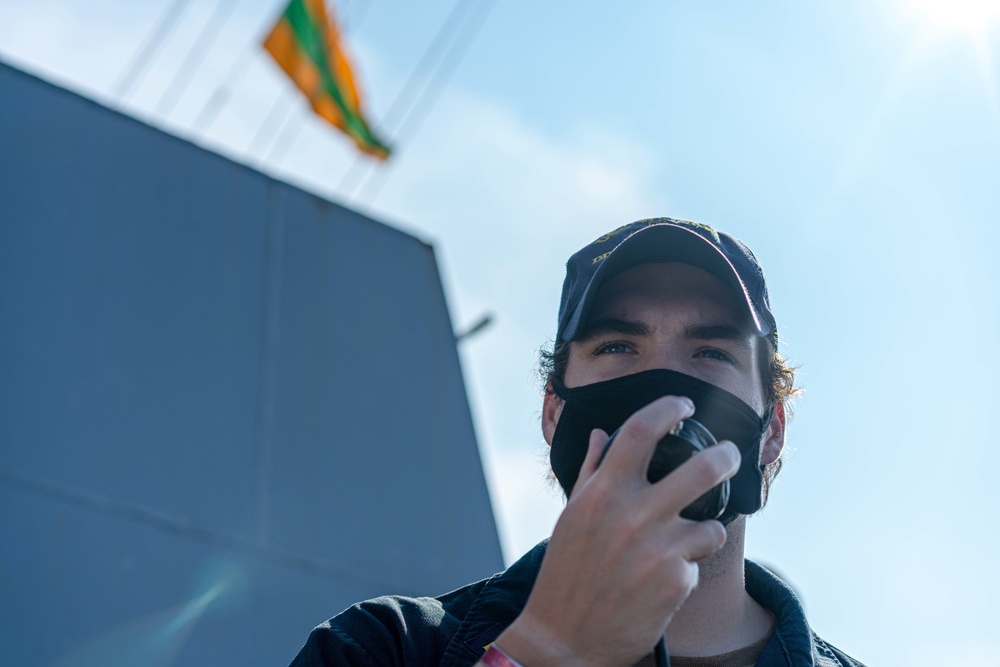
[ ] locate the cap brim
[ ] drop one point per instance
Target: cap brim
(664, 243)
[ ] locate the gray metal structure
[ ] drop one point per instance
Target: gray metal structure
(228, 407)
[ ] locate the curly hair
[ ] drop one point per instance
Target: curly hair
(778, 378)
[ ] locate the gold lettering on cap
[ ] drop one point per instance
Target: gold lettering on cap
(607, 236)
(600, 257)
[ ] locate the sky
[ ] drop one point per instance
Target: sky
(853, 145)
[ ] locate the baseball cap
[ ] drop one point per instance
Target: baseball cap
(663, 240)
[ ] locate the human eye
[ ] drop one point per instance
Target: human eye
(714, 353)
(613, 347)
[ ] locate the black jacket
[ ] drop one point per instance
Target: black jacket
(453, 629)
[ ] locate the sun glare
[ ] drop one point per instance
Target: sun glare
(973, 22)
(968, 16)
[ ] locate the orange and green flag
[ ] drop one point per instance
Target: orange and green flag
(307, 46)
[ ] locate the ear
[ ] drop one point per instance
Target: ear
(774, 436)
(552, 407)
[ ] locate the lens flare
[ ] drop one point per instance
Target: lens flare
(969, 23)
(967, 16)
(157, 639)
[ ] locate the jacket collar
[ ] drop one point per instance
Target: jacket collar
(499, 602)
(504, 595)
(792, 642)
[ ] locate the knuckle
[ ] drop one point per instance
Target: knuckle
(691, 579)
(706, 469)
(594, 501)
(632, 528)
(681, 404)
(681, 580)
(674, 590)
(639, 428)
(675, 587)
(714, 533)
(678, 404)
(721, 534)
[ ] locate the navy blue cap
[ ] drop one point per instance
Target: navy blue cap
(663, 240)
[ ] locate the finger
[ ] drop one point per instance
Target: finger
(598, 439)
(699, 539)
(683, 580)
(696, 476)
(693, 573)
(636, 440)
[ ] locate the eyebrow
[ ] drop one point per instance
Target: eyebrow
(726, 332)
(604, 326)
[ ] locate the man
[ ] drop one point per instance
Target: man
(661, 321)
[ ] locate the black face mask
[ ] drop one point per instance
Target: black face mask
(606, 405)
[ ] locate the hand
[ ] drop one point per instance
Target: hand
(621, 560)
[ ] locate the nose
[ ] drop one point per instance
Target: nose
(663, 356)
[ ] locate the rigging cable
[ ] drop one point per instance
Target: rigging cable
(220, 96)
(281, 109)
(431, 55)
(420, 113)
(206, 38)
(210, 110)
(150, 45)
(348, 24)
(282, 142)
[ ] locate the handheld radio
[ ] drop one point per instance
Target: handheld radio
(686, 439)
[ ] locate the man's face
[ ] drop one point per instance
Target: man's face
(673, 316)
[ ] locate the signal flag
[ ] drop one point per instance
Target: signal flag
(306, 44)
